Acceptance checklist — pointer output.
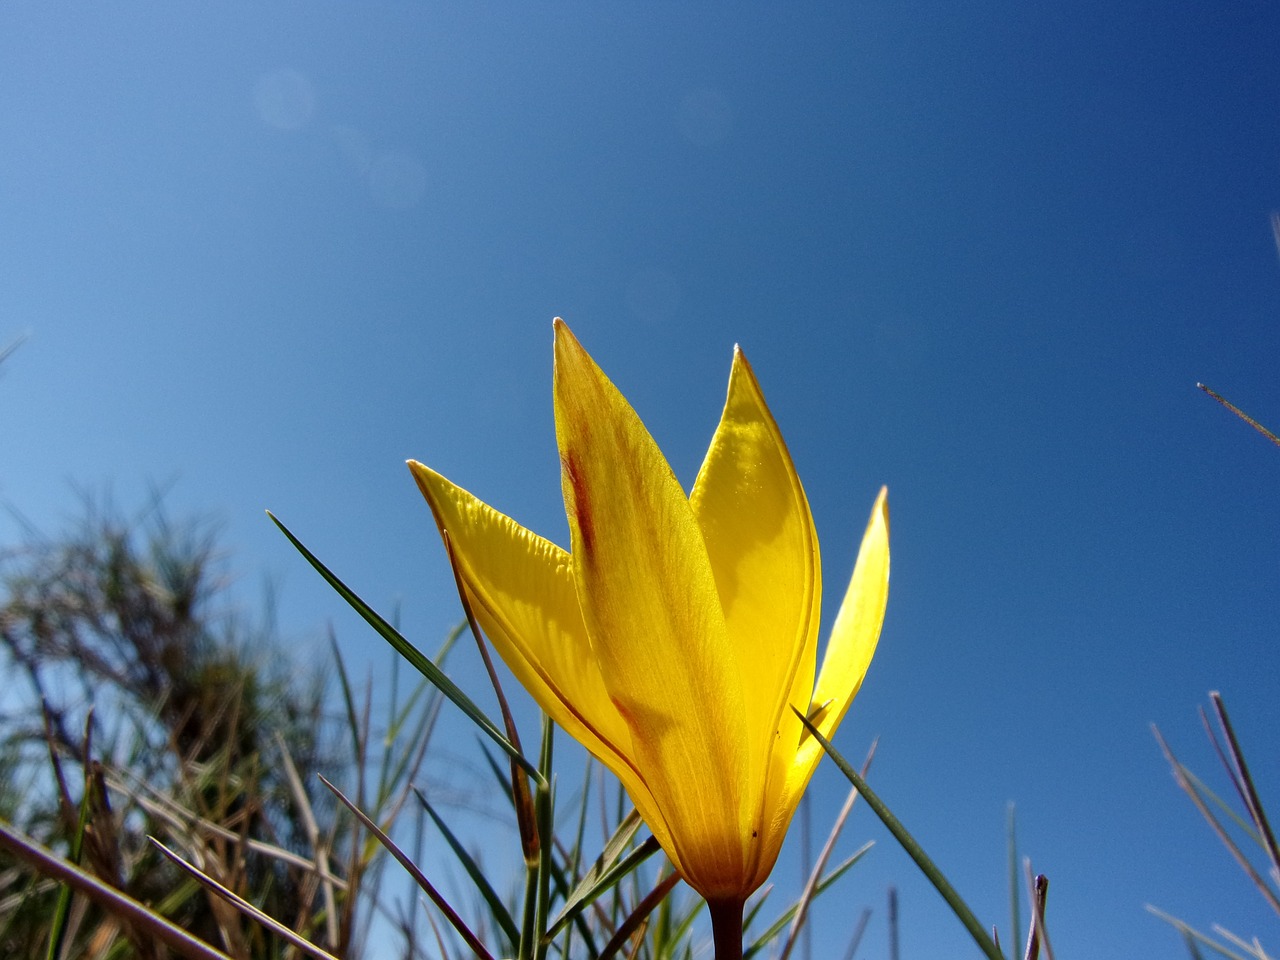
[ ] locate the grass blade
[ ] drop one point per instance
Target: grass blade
(777, 926)
(909, 844)
(411, 653)
(499, 911)
(244, 906)
(107, 897)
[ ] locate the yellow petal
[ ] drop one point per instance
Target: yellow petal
(521, 590)
(760, 537)
(852, 644)
(653, 616)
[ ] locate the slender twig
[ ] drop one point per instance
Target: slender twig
(1188, 931)
(1241, 414)
(893, 922)
(1255, 948)
(858, 931)
(1015, 904)
(318, 845)
(1226, 765)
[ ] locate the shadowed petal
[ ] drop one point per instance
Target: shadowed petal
(653, 615)
(763, 548)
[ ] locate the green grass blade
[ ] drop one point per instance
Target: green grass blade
(913, 849)
(606, 871)
(680, 931)
(544, 813)
(585, 895)
(411, 653)
(497, 909)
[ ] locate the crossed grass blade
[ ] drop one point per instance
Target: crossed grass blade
(469, 937)
(1253, 824)
(1179, 775)
(497, 909)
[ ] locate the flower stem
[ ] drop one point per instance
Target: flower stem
(726, 928)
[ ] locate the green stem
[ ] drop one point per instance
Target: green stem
(726, 928)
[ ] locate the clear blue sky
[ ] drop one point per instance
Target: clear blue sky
(979, 252)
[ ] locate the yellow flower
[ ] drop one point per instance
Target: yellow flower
(676, 635)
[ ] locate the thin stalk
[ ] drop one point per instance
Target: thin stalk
(726, 928)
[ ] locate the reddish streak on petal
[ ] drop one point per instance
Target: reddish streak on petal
(581, 504)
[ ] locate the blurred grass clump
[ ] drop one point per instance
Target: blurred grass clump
(138, 704)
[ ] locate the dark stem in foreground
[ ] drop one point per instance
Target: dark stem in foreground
(726, 928)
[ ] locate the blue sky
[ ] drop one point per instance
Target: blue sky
(981, 253)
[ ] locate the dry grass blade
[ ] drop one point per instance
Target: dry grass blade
(1038, 937)
(110, 899)
(1180, 777)
(182, 821)
(525, 818)
(243, 905)
(1254, 947)
(318, 845)
(811, 886)
(472, 941)
(1241, 414)
(856, 940)
(1189, 932)
(639, 915)
(1244, 783)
